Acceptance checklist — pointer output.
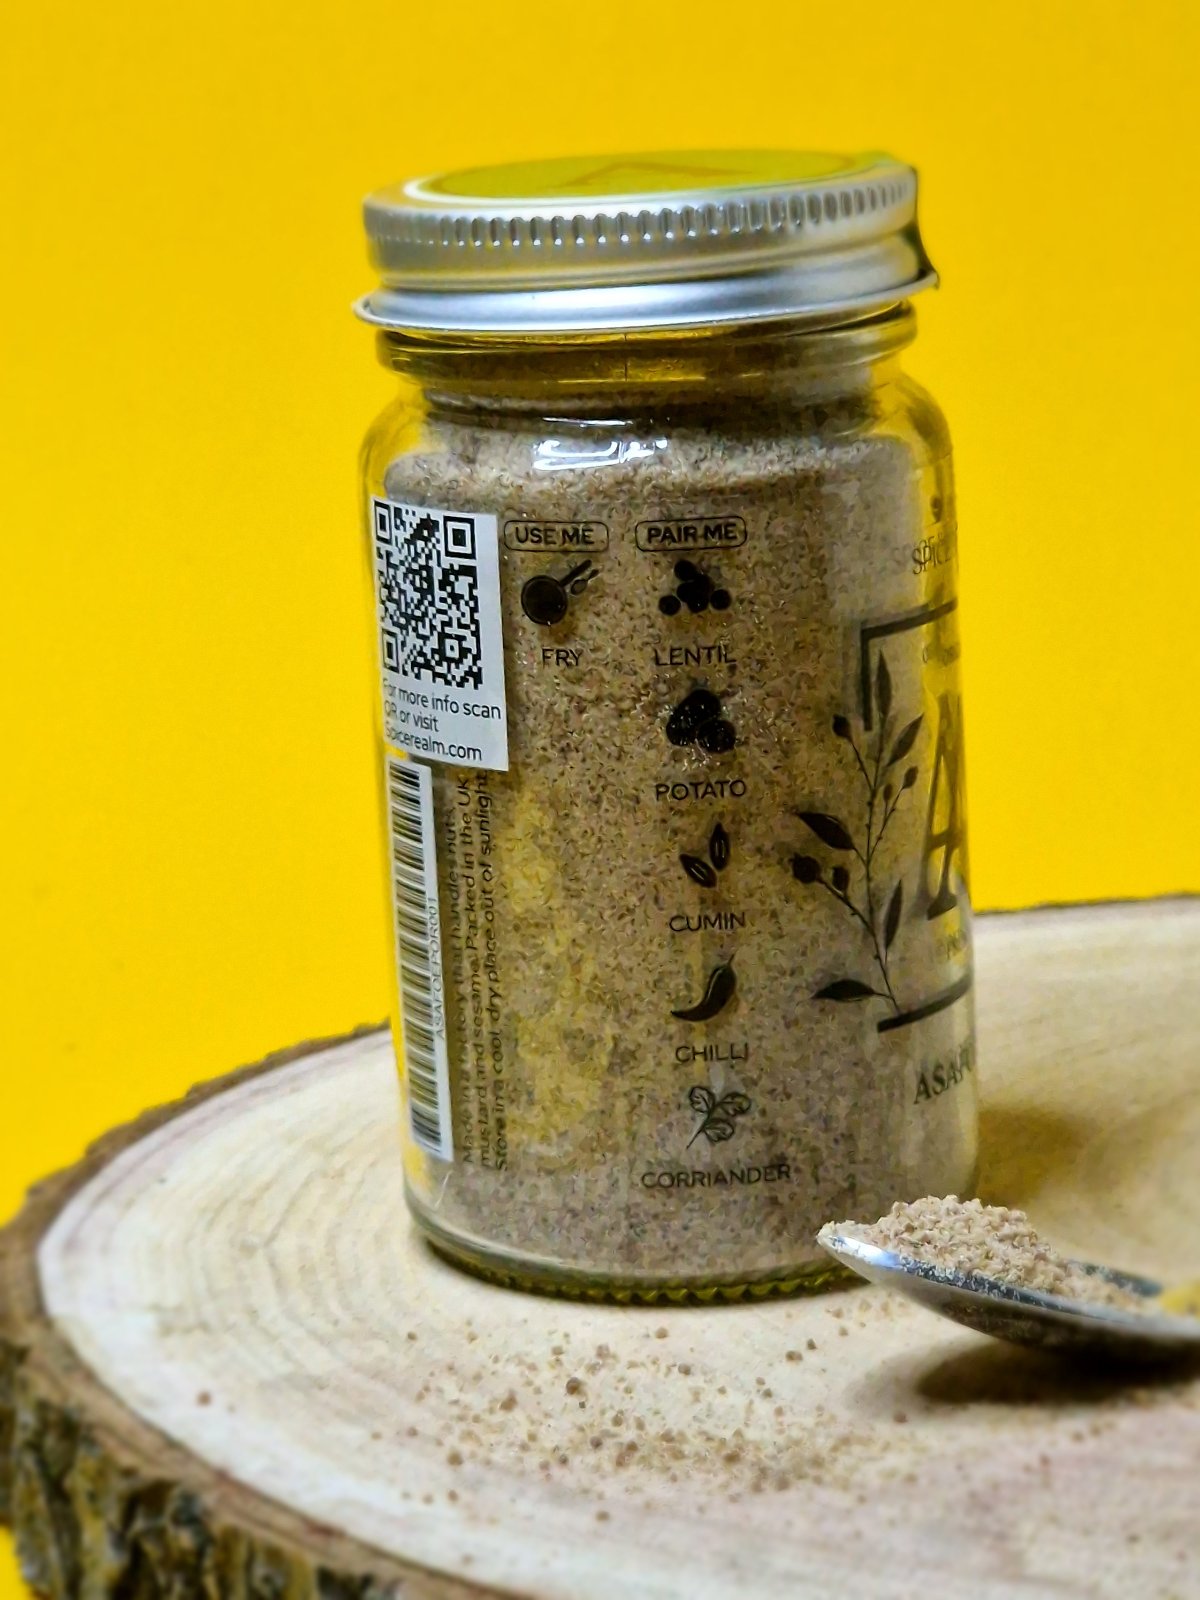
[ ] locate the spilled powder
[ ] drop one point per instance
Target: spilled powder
(737, 1418)
(965, 1236)
(617, 1423)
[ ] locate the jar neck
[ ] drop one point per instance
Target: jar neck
(791, 365)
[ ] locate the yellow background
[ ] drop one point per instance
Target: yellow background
(188, 826)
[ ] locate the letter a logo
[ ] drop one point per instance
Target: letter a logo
(945, 831)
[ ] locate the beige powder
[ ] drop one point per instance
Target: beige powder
(967, 1237)
(602, 1137)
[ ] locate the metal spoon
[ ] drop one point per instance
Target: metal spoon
(1026, 1316)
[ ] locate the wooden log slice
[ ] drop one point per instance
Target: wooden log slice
(229, 1368)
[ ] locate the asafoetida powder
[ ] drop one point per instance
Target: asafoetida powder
(969, 1238)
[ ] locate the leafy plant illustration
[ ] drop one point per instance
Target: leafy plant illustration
(705, 872)
(718, 1116)
(880, 919)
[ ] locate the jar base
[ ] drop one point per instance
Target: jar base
(563, 1282)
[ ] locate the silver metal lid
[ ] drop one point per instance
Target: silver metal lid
(675, 239)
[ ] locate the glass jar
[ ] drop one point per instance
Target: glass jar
(663, 559)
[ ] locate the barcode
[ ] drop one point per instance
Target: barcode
(419, 956)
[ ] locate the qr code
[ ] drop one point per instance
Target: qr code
(428, 582)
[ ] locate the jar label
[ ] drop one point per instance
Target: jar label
(441, 645)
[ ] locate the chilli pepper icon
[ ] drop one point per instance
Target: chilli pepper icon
(718, 992)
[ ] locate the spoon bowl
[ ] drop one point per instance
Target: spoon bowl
(1026, 1316)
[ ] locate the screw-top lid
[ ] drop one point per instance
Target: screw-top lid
(669, 240)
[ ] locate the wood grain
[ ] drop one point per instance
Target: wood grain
(227, 1367)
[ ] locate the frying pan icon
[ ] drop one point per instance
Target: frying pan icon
(545, 598)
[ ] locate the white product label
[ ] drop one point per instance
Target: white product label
(437, 584)
(419, 955)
